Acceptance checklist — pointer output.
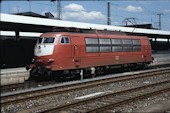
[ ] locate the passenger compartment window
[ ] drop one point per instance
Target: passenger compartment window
(105, 45)
(127, 45)
(65, 40)
(116, 45)
(116, 41)
(136, 42)
(92, 49)
(112, 45)
(127, 42)
(136, 45)
(117, 48)
(92, 41)
(105, 41)
(105, 49)
(92, 45)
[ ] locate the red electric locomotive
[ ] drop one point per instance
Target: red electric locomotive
(88, 53)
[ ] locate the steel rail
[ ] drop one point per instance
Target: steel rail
(32, 84)
(68, 88)
(110, 100)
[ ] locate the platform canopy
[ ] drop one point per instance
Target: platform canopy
(11, 22)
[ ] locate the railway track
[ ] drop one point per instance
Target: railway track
(33, 84)
(107, 101)
(35, 94)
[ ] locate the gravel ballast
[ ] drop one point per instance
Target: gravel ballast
(56, 100)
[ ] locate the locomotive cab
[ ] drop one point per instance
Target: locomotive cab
(44, 49)
(43, 56)
(51, 52)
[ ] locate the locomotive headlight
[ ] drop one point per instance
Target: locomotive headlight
(50, 61)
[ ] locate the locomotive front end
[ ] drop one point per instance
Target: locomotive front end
(43, 57)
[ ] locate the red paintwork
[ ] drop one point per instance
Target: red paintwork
(73, 55)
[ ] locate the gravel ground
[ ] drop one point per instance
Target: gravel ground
(143, 106)
(57, 100)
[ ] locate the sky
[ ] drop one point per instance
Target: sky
(144, 11)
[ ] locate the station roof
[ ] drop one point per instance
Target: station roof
(11, 22)
(32, 14)
(145, 26)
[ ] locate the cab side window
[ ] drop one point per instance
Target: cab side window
(64, 40)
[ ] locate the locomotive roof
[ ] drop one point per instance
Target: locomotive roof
(91, 34)
(87, 31)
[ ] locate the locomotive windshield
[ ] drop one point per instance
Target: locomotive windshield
(46, 40)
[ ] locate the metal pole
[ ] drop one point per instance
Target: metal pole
(169, 43)
(1, 45)
(126, 23)
(160, 14)
(0, 5)
(29, 6)
(59, 9)
(108, 14)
